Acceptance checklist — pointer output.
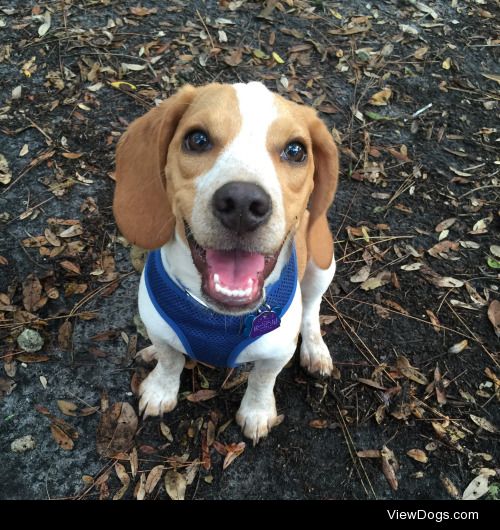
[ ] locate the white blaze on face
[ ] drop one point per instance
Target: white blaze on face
(245, 159)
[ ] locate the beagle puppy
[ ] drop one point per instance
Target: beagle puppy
(229, 186)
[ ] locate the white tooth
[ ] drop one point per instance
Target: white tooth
(225, 291)
(216, 278)
(248, 291)
(218, 288)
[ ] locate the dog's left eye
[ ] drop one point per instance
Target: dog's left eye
(294, 152)
(197, 141)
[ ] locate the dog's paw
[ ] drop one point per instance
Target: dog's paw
(147, 354)
(158, 395)
(256, 419)
(314, 355)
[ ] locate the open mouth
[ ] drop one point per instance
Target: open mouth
(232, 278)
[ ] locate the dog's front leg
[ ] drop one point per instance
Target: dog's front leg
(314, 354)
(257, 413)
(158, 392)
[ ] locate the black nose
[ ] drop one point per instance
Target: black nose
(241, 206)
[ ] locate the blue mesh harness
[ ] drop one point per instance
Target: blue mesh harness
(208, 336)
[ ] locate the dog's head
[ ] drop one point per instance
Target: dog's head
(232, 168)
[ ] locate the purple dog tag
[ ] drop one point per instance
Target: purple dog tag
(264, 323)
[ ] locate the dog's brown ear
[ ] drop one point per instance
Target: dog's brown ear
(326, 171)
(141, 205)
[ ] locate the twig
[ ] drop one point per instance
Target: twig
(353, 454)
(342, 298)
(206, 29)
(477, 189)
(421, 111)
(94, 293)
(38, 128)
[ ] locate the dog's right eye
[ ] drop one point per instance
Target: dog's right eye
(197, 141)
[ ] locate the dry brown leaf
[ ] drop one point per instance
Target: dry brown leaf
(206, 460)
(362, 275)
(5, 173)
(382, 312)
(380, 414)
(352, 29)
(64, 336)
(233, 451)
(153, 478)
(459, 346)
(318, 424)
(440, 249)
(234, 58)
(446, 281)
(70, 266)
(325, 320)
(62, 439)
(439, 387)
(447, 63)
(450, 433)
(140, 11)
(381, 98)
(435, 321)
(6, 386)
(389, 467)
(395, 306)
(123, 477)
(494, 316)
(72, 288)
(420, 53)
(71, 409)
(474, 295)
(404, 367)
(210, 433)
(444, 225)
(116, 429)
(369, 453)
(192, 471)
(370, 382)
(476, 489)
(67, 407)
(483, 423)
(175, 485)
(201, 395)
(450, 487)
(134, 462)
(382, 278)
(140, 488)
(72, 231)
(491, 375)
(418, 455)
(412, 266)
(167, 433)
(45, 26)
(32, 294)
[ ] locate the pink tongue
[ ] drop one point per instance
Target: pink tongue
(234, 267)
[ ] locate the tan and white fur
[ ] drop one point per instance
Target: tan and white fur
(162, 188)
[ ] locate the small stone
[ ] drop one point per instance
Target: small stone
(23, 444)
(30, 340)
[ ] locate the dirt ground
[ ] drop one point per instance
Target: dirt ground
(410, 92)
